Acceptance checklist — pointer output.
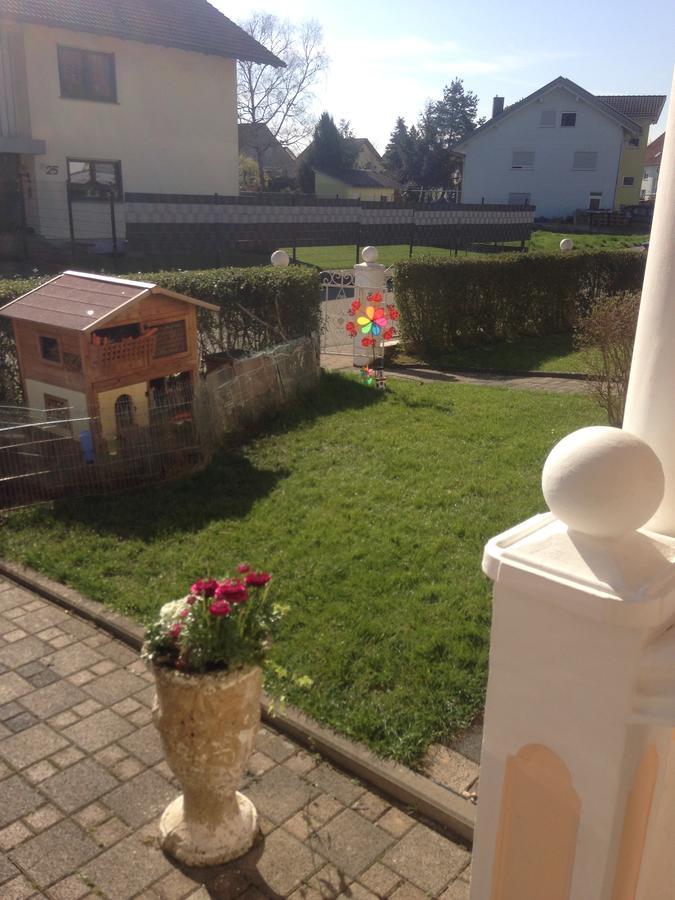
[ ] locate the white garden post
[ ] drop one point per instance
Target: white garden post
(577, 786)
(369, 278)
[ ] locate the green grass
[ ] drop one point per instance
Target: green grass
(554, 353)
(344, 256)
(371, 510)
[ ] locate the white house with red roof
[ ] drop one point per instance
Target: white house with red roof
(103, 97)
(560, 149)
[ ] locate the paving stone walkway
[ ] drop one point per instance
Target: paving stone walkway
(83, 783)
(343, 362)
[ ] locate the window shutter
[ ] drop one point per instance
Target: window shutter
(547, 118)
(586, 160)
(522, 159)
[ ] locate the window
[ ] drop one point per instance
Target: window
(50, 350)
(568, 120)
(585, 160)
(595, 200)
(57, 409)
(87, 75)
(519, 199)
(522, 159)
(93, 179)
(547, 119)
(171, 338)
(628, 181)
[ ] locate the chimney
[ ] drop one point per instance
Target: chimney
(497, 106)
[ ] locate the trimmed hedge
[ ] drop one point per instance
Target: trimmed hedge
(259, 307)
(446, 303)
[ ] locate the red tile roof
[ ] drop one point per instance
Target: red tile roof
(187, 24)
(80, 301)
(636, 106)
(655, 151)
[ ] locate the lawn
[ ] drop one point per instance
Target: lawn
(371, 510)
(552, 353)
(344, 256)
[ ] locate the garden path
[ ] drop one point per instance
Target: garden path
(83, 783)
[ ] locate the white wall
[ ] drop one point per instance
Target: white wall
(173, 127)
(554, 187)
(77, 401)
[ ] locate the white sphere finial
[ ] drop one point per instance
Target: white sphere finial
(603, 481)
(280, 258)
(370, 254)
(566, 245)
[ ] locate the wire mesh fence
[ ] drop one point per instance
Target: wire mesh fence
(49, 455)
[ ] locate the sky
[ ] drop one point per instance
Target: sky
(389, 58)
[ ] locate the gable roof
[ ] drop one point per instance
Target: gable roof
(655, 151)
(364, 144)
(636, 106)
(186, 24)
(365, 178)
(79, 301)
(254, 135)
(615, 114)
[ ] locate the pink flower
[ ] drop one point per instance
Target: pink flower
(220, 608)
(232, 590)
(257, 579)
(191, 599)
(206, 587)
(175, 630)
(184, 613)
(243, 568)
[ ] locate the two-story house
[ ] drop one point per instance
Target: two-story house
(99, 98)
(560, 149)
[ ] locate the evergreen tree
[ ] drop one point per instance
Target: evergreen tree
(455, 115)
(330, 151)
(400, 155)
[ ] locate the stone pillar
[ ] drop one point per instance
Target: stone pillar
(577, 787)
(650, 410)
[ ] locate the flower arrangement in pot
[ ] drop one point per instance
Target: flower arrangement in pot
(205, 650)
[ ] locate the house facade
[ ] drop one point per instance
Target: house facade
(98, 99)
(259, 144)
(650, 175)
(355, 184)
(559, 149)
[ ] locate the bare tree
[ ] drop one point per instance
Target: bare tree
(278, 101)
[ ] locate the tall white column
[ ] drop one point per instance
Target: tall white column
(650, 406)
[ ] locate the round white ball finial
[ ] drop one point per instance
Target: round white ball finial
(566, 245)
(370, 254)
(603, 481)
(280, 258)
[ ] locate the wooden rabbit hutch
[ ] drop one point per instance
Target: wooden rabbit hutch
(93, 347)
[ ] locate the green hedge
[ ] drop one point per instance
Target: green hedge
(446, 303)
(259, 307)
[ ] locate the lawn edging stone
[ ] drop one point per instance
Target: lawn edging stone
(438, 804)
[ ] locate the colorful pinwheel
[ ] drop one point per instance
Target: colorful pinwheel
(373, 321)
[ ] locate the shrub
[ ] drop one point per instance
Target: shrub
(607, 335)
(446, 303)
(259, 307)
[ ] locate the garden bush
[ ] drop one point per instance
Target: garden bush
(259, 308)
(462, 302)
(607, 335)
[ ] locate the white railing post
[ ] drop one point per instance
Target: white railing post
(577, 786)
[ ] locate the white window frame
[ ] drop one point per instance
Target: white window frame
(568, 112)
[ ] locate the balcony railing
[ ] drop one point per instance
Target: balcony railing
(129, 353)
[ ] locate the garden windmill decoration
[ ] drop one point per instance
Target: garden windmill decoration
(374, 325)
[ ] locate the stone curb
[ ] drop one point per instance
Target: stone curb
(477, 373)
(440, 805)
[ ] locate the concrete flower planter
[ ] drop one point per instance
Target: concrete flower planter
(208, 726)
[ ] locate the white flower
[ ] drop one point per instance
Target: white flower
(168, 614)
